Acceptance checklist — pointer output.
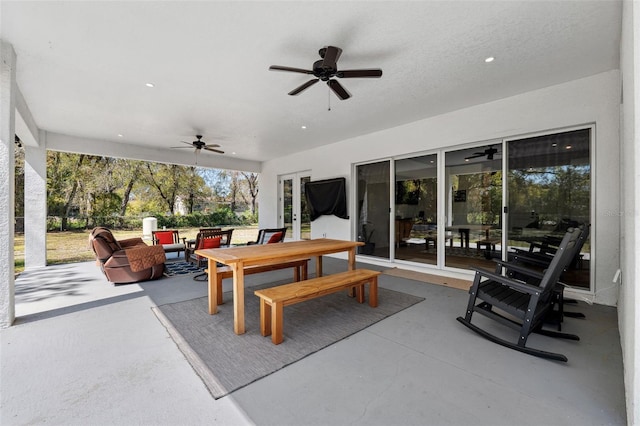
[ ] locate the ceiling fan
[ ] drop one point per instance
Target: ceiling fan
(489, 153)
(198, 144)
(326, 69)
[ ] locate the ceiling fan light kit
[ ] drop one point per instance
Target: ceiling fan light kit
(326, 69)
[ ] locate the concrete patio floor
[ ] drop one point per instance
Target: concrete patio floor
(85, 352)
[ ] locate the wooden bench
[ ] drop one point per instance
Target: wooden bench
(274, 299)
(300, 269)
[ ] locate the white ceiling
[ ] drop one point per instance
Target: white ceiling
(82, 66)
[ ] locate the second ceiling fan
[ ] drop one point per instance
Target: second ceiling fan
(488, 153)
(326, 69)
(199, 145)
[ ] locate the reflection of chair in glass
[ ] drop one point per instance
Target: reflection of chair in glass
(426, 234)
(518, 304)
(270, 236)
(541, 251)
(206, 240)
(170, 240)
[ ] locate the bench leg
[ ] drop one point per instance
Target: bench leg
(359, 292)
(265, 318)
(373, 292)
(277, 312)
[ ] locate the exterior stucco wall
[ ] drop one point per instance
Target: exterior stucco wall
(594, 99)
(628, 316)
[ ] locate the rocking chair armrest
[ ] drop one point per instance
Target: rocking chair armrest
(518, 285)
(534, 258)
(520, 269)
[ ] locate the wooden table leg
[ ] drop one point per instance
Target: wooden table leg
(352, 259)
(238, 297)
(213, 287)
(318, 266)
(351, 267)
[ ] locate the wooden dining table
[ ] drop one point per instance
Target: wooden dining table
(238, 258)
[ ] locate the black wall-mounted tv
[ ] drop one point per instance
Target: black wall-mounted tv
(327, 197)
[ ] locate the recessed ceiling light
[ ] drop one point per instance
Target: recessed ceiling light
(304, 127)
(568, 147)
(554, 144)
(119, 135)
(466, 159)
(150, 85)
(489, 59)
(233, 153)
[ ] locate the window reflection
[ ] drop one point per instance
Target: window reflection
(473, 205)
(373, 208)
(549, 185)
(416, 209)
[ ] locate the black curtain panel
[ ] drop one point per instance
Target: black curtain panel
(327, 197)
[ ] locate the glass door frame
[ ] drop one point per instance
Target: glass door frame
(296, 202)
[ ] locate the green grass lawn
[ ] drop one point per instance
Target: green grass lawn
(73, 246)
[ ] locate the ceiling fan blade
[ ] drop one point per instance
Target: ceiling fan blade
(331, 56)
(208, 148)
(290, 69)
(371, 73)
(337, 88)
(181, 147)
(299, 89)
(212, 145)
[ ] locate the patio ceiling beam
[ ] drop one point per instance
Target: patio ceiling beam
(25, 125)
(185, 157)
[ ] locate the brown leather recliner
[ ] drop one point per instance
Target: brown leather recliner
(126, 261)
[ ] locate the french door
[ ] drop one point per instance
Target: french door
(293, 212)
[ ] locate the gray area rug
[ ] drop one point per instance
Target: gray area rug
(227, 362)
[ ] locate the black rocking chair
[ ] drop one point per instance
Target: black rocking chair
(537, 260)
(518, 304)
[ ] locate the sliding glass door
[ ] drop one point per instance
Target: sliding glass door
(473, 206)
(549, 187)
(373, 206)
(466, 207)
(416, 209)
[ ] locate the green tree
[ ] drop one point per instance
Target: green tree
(251, 184)
(63, 180)
(19, 181)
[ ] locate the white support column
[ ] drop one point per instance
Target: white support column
(7, 183)
(35, 204)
